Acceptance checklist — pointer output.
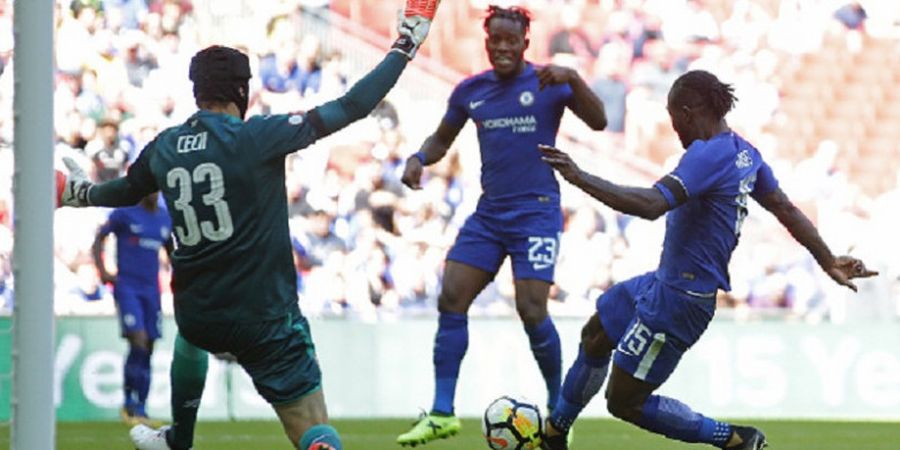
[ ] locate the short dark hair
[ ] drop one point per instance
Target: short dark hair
(699, 88)
(515, 13)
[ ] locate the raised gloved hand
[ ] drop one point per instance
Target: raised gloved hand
(75, 186)
(423, 8)
(413, 26)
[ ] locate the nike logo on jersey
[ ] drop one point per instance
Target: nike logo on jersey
(136, 229)
(474, 105)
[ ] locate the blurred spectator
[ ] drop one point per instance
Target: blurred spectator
(610, 83)
(129, 12)
(747, 26)
(852, 15)
(139, 62)
(278, 70)
(309, 70)
(107, 152)
(570, 39)
(319, 241)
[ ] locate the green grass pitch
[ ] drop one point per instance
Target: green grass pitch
(380, 434)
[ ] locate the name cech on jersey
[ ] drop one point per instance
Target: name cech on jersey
(192, 142)
(519, 124)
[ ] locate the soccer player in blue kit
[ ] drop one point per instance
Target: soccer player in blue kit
(515, 106)
(233, 277)
(652, 319)
(141, 231)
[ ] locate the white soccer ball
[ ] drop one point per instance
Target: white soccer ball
(512, 424)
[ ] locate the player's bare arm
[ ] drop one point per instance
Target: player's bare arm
(585, 103)
(841, 269)
(433, 150)
(646, 203)
(97, 253)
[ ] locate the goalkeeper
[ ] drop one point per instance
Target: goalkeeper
(223, 179)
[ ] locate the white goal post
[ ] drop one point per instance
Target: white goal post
(31, 398)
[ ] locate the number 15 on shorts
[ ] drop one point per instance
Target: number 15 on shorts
(635, 343)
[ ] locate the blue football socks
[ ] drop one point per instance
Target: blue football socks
(583, 380)
(545, 346)
(450, 346)
(137, 380)
(676, 420)
(320, 436)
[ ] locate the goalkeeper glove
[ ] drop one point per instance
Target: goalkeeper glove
(413, 26)
(75, 186)
(424, 8)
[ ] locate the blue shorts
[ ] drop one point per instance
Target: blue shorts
(653, 325)
(138, 309)
(279, 354)
(530, 236)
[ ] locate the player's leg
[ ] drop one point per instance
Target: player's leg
(280, 357)
(531, 237)
(615, 309)
(137, 361)
(305, 423)
(531, 305)
(461, 284)
(137, 376)
(666, 324)
(187, 377)
(471, 265)
(151, 317)
(632, 400)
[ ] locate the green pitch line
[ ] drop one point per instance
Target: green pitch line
(380, 435)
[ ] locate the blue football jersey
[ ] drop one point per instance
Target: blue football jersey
(512, 117)
(712, 183)
(140, 234)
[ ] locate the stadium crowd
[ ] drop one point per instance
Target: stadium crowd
(368, 248)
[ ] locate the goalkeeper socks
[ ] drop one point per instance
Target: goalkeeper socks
(188, 376)
(321, 436)
(583, 381)
(676, 420)
(450, 346)
(546, 349)
(137, 373)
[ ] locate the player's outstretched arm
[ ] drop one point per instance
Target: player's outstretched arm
(841, 269)
(79, 191)
(646, 203)
(585, 103)
(362, 98)
(433, 150)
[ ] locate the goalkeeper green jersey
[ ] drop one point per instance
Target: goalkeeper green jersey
(223, 180)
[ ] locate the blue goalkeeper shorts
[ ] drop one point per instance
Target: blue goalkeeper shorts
(652, 324)
(529, 235)
(279, 354)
